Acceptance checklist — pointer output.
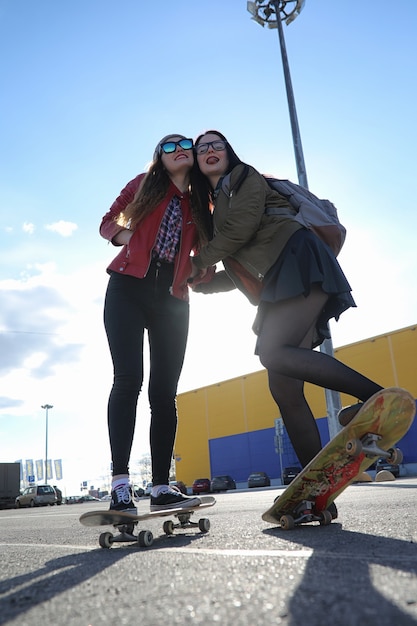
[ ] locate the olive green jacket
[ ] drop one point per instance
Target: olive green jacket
(244, 233)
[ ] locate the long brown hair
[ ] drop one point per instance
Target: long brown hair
(153, 189)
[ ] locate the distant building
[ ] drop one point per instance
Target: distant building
(230, 427)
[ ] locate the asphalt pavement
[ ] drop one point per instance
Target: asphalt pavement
(361, 570)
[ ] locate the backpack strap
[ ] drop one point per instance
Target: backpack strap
(225, 183)
(241, 178)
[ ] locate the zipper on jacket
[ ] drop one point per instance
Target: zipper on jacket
(158, 265)
(150, 255)
(249, 265)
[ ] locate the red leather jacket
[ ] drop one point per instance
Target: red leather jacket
(134, 259)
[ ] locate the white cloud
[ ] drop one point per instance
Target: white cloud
(28, 227)
(53, 350)
(65, 229)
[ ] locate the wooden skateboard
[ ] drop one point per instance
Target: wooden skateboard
(381, 422)
(125, 523)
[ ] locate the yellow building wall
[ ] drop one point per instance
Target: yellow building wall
(244, 404)
(388, 359)
(226, 408)
(191, 447)
(258, 402)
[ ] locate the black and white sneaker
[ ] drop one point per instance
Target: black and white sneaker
(122, 500)
(346, 415)
(173, 499)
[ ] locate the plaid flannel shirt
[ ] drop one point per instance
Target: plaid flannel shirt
(169, 234)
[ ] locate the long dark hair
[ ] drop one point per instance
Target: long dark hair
(202, 189)
(153, 189)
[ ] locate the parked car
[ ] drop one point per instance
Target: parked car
(222, 483)
(88, 498)
(289, 473)
(58, 495)
(80, 499)
(201, 485)
(259, 479)
(382, 464)
(179, 485)
(148, 489)
(37, 495)
(72, 499)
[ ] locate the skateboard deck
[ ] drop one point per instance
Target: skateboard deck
(125, 523)
(382, 421)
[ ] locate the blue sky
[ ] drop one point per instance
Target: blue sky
(88, 89)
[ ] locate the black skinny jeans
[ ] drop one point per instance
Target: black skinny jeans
(131, 305)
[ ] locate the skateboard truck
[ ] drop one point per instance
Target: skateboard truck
(368, 445)
(184, 521)
(126, 534)
(304, 513)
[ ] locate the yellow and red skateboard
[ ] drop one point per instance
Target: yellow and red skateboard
(382, 421)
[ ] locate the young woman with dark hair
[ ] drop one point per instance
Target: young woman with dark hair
(287, 270)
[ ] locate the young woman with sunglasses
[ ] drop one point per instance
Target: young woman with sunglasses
(299, 282)
(157, 225)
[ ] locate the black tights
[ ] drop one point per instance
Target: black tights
(131, 305)
(284, 349)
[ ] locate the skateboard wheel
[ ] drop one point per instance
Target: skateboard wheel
(353, 447)
(105, 540)
(204, 524)
(395, 456)
(325, 518)
(145, 538)
(168, 527)
(287, 522)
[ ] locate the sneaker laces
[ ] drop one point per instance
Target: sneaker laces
(171, 489)
(123, 493)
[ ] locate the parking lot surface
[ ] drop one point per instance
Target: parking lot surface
(360, 570)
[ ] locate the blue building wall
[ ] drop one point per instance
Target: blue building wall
(408, 444)
(240, 455)
(323, 430)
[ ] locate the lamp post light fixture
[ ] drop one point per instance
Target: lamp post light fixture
(270, 13)
(47, 407)
(273, 13)
(262, 11)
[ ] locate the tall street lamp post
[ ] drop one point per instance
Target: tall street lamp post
(46, 407)
(272, 14)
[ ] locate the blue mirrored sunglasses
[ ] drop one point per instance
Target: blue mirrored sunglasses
(171, 146)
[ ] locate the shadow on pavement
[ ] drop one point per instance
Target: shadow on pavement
(24, 592)
(340, 579)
